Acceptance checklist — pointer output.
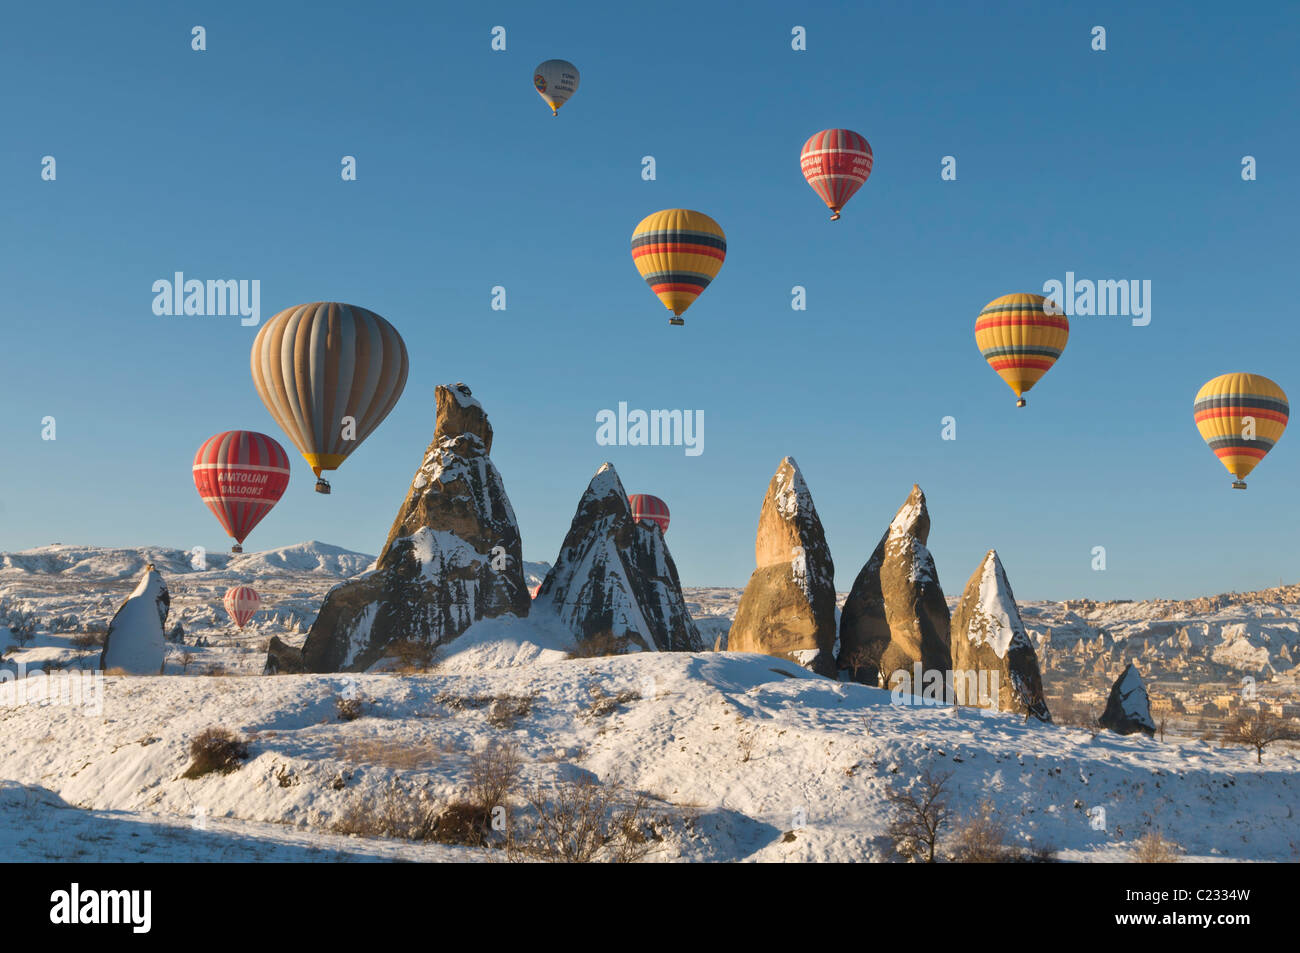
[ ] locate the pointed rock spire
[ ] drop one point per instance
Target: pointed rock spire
(453, 555)
(788, 606)
(896, 615)
(1128, 709)
(136, 639)
(614, 579)
(989, 638)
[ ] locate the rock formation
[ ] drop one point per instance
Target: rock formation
(788, 606)
(614, 582)
(282, 658)
(453, 555)
(896, 615)
(136, 640)
(1128, 709)
(989, 640)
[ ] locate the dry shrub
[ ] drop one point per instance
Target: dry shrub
(1154, 848)
(602, 704)
(493, 773)
(349, 709)
(215, 749)
(412, 656)
(584, 821)
(980, 838)
(384, 753)
(600, 644)
(87, 640)
(394, 813)
(502, 709)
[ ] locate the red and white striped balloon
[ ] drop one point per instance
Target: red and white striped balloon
(242, 602)
(836, 162)
(240, 474)
(649, 509)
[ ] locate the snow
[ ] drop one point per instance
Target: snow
(792, 496)
(996, 619)
(823, 754)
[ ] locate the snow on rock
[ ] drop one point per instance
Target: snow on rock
(1128, 709)
(453, 555)
(989, 639)
(788, 607)
(614, 577)
(896, 615)
(136, 640)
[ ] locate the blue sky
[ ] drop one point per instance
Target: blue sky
(225, 164)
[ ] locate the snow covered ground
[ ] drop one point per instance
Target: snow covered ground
(742, 757)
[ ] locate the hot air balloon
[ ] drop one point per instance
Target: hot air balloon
(242, 602)
(240, 475)
(836, 162)
(1021, 336)
(678, 253)
(329, 373)
(556, 81)
(1241, 416)
(649, 509)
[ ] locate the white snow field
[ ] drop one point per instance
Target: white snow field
(742, 757)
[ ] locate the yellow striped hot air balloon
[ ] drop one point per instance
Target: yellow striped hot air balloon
(678, 253)
(1021, 336)
(1241, 416)
(329, 373)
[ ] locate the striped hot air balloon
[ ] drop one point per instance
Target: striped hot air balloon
(242, 602)
(678, 253)
(836, 162)
(555, 81)
(240, 475)
(329, 373)
(1241, 416)
(1021, 336)
(649, 509)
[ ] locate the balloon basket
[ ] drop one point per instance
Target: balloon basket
(322, 486)
(1020, 402)
(1239, 484)
(236, 548)
(676, 320)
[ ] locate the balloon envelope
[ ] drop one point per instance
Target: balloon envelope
(1241, 417)
(240, 474)
(1021, 336)
(649, 509)
(242, 602)
(836, 162)
(317, 366)
(555, 81)
(678, 252)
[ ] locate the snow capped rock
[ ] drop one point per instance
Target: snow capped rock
(453, 555)
(788, 606)
(896, 615)
(988, 636)
(1128, 709)
(136, 640)
(615, 576)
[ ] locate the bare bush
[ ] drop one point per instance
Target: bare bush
(385, 753)
(395, 812)
(413, 656)
(981, 838)
(19, 620)
(600, 644)
(493, 773)
(584, 821)
(602, 704)
(1258, 729)
(1154, 848)
(920, 815)
(87, 641)
(349, 709)
(215, 749)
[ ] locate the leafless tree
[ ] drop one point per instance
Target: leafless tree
(1258, 729)
(920, 815)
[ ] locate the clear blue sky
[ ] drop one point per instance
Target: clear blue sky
(225, 164)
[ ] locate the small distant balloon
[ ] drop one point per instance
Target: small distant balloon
(649, 509)
(556, 81)
(242, 602)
